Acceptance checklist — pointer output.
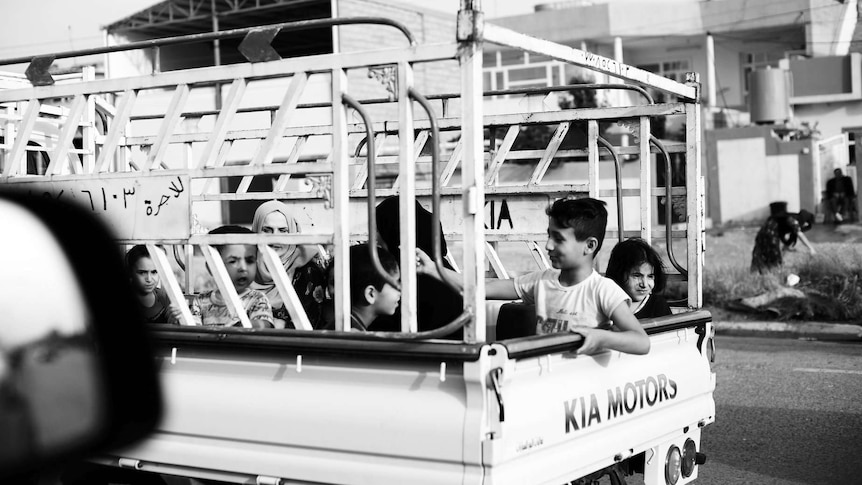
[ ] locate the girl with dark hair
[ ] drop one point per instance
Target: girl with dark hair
(153, 300)
(637, 268)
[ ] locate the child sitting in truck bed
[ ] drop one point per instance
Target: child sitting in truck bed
(240, 260)
(637, 268)
(154, 302)
(370, 294)
(573, 296)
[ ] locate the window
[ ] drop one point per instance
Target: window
(670, 69)
(516, 69)
(674, 69)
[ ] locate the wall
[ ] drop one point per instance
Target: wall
(747, 168)
(427, 26)
(831, 118)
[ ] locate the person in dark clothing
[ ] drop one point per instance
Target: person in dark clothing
(637, 268)
(437, 304)
(779, 232)
(840, 194)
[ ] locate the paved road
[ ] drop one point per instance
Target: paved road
(788, 412)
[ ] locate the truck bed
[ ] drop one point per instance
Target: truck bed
(325, 407)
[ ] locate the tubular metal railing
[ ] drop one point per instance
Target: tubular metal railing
(210, 36)
(372, 199)
(668, 206)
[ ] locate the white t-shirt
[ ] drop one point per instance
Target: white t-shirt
(588, 303)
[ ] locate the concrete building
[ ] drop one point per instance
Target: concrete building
(815, 41)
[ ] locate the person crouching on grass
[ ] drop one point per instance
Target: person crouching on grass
(572, 296)
(240, 260)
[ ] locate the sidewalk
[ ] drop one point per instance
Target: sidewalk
(797, 330)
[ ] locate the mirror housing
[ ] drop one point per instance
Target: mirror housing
(91, 361)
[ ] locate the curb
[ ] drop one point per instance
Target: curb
(801, 330)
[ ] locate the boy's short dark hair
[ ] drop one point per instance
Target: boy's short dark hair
(229, 229)
(134, 255)
(630, 254)
(363, 273)
(588, 217)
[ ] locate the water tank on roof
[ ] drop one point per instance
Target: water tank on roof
(769, 95)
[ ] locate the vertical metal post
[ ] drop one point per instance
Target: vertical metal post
(157, 60)
(190, 265)
(216, 52)
(340, 201)
(618, 94)
(88, 130)
(646, 197)
(694, 197)
(406, 201)
(336, 40)
(472, 166)
(593, 157)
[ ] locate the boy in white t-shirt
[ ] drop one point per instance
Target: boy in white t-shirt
(573, 296)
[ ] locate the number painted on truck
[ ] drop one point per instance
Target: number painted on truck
(134, 207)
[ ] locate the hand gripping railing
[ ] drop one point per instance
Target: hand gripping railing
(668, 207)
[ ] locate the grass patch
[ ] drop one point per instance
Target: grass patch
(831, 279)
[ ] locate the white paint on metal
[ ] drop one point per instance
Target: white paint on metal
(266, 150)
(67, 132)
(170, 284)
(225, 116)
(16, 158)
(134, 207)
(646, 198)
(117, 127)
(169, 124)
(406, 200)
(595, 62)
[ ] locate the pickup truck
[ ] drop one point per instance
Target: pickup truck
(314, 406)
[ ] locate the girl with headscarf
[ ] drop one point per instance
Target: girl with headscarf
(303, 265)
